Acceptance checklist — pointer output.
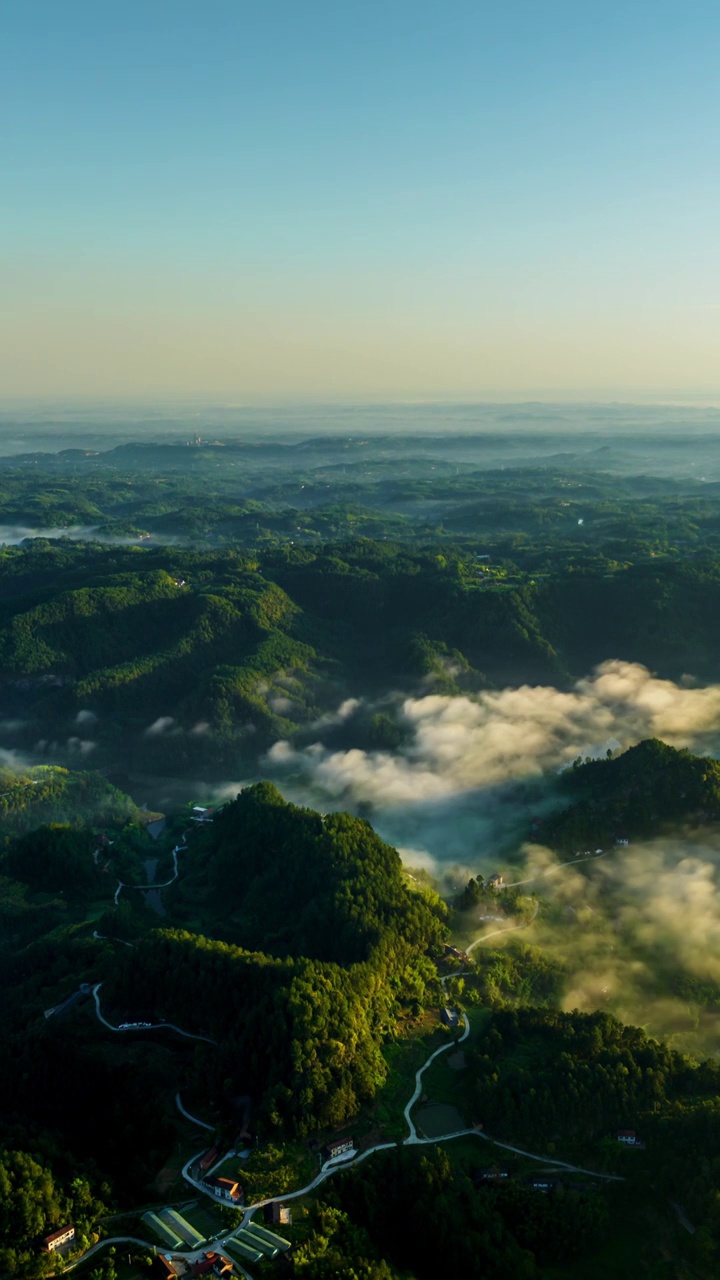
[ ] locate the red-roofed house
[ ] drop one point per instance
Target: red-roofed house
(58, 1238)
(225, 1189)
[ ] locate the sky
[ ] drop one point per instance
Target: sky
(360, 200)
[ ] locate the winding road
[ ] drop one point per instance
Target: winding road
(194, 1119)
(155, 1026)
(550, 871)
(509, 929)
(121, 884)
(331, 1167)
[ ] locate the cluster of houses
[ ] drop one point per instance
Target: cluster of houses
(251, 1243)
(498, 1173)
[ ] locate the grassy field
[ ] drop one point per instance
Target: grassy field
(404, 1057)
(446, 1086)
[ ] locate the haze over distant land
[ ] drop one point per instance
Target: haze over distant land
(49, 426)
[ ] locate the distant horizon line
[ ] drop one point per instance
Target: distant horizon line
(700, 400)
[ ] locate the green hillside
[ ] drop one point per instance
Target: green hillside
(634, 794)
(49, 794)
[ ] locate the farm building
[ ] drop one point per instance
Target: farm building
(163, 1267)
(246, 1250)
(255, 1241)
(167, 1234)
(183, 1228)
(270, 1237)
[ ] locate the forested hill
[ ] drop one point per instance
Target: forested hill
(634, 794)
(313, 946)
(194, 662)
(48, 794)
(294, 882)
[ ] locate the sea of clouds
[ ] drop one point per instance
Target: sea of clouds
(467, 776)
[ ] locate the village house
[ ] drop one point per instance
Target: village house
(454, 953)
(204, 1265)
(225, 1189)
(223, 1266)
(494, 1173)
(496, 882)
(338, 1147)
(629, 1138)
(449, 1017)
(540, 1182)
(56, 1239)
(277, 1215)
(163, 1267)
(209, 1159)
(201, 814)
(213, 1263)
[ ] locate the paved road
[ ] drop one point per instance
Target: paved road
(102, 937)
(332, 1167)
(550, 871)
(155, 1026)
(181, 1109)
(509, 929)
(413, 1137)
(682, 1217)
(102, 1244)
(121, 884)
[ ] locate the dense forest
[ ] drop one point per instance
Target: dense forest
(344, 944)
(169, 612)
(646, 788)
(184, 613)
(105, 652)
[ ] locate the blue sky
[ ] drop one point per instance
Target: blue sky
(361, 200)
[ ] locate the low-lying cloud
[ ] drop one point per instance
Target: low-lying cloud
(466, 772)
(638, 933)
